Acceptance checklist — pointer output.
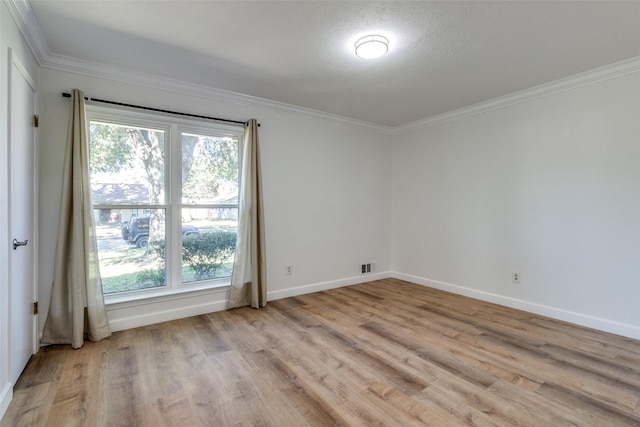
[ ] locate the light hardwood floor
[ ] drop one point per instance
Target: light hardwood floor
(381, 353)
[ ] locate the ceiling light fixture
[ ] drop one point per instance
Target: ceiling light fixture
(373, 46)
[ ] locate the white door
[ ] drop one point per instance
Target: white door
(22, 287)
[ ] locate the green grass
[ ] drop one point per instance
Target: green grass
(132, 281)
(119, 256)
(124, 283)
(132, 268)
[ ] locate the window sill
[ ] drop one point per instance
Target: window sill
(151, 307)
(132, 299)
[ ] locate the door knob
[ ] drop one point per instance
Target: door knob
(16, 243)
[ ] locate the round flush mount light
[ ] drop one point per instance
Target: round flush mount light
(373, 46)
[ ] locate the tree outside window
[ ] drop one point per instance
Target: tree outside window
(165, 197)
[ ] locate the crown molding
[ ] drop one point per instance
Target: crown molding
(27, 23)
(572, 82)
(93, 69)
(29, 27)
(153, 81)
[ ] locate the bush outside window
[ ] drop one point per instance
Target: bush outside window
(165, 198)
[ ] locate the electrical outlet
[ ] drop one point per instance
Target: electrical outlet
(515, 277)
(289, 270)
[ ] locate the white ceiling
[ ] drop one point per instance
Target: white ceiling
(443, 55)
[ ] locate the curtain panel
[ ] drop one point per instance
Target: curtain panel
(77, 308)
(248, 279)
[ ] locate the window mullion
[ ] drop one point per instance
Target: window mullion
(174, 269)
(123, 182)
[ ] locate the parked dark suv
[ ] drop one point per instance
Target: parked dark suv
(136, 231)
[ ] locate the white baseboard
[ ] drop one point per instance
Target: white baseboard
(323, 286)
(134, 314)
(143, 312)
(5, 398)
(606, 325)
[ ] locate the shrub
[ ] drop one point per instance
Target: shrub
(206, 252)
(150, 278)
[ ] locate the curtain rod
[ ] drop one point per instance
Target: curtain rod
(159, 110)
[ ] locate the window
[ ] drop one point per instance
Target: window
(165, 199)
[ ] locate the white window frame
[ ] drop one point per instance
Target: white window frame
(173, 128)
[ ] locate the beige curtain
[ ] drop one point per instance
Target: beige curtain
(77, 303)
(249, 279)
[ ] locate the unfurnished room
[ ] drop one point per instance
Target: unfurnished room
(319, 213)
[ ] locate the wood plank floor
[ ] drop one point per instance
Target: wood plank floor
(381, 353)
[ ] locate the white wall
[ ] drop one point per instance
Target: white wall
(549, 188)
(10, 38)
(327, 191)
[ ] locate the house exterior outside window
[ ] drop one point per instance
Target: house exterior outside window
(165, 199)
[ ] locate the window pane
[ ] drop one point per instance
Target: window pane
(132, 190)
(131, 248)
(209, 170)
(126, 164)
(208, 243)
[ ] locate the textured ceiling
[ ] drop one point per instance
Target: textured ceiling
(443, 55)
